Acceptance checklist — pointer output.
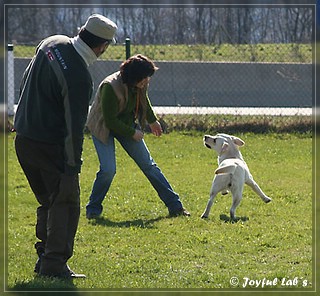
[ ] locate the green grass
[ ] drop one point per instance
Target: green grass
(235, 123)
(294, 53)
(135, 245)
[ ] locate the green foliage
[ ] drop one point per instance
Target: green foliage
(293, 53)
(135, 245)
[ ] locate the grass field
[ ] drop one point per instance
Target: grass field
(284, 53)
(136, 246)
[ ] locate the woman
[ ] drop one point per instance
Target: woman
(120, 102)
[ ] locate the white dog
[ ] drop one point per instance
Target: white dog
(232, 172)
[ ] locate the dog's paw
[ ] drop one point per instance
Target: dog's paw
(225, 192)
(267, 200)
(203, 216)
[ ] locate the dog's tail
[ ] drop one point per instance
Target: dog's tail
(227, 169)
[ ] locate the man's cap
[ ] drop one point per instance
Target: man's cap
(101, 26)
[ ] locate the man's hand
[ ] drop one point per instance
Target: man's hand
(156, 128)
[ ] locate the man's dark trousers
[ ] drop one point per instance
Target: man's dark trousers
(59, 198)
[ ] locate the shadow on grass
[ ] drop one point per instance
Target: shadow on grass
(228, 219)
(129, 223)
(44, 285)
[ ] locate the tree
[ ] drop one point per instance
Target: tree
(169, 25)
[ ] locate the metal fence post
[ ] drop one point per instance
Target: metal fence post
(10, 80)
(128, 54)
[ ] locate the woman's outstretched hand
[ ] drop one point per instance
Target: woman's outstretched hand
(156, 128)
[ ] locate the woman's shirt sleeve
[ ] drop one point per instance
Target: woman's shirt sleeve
(110, 110)
(151, 117)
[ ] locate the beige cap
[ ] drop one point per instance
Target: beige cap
(101, 26)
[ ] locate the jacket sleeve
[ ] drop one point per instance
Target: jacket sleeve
(76, 110)
(28, 69)
(151, 116)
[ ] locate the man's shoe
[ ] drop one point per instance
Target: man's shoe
(70, 275)
(66, 274)
(180, 212)
(37, 266)
(40, 252)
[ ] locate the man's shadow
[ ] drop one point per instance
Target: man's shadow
(140, 223)
(42, 285)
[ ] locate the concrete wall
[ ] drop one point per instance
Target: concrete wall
(216, 84)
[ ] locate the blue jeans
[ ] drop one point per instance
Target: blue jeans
(139, 152)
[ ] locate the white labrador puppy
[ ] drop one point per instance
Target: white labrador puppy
(232, 172)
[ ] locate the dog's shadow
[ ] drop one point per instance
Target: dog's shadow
(139, 223)
(228, 219)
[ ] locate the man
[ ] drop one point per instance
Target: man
(54, 98)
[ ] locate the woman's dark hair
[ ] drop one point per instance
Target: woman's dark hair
(136, 68)
(91, 40)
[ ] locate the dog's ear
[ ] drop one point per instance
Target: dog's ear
(227, 169)
(237, 141)
(224, 147)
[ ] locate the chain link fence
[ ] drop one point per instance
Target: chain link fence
(270, 83)
(220, 67)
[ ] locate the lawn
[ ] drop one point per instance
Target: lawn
(134, 245)
(282, 53)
